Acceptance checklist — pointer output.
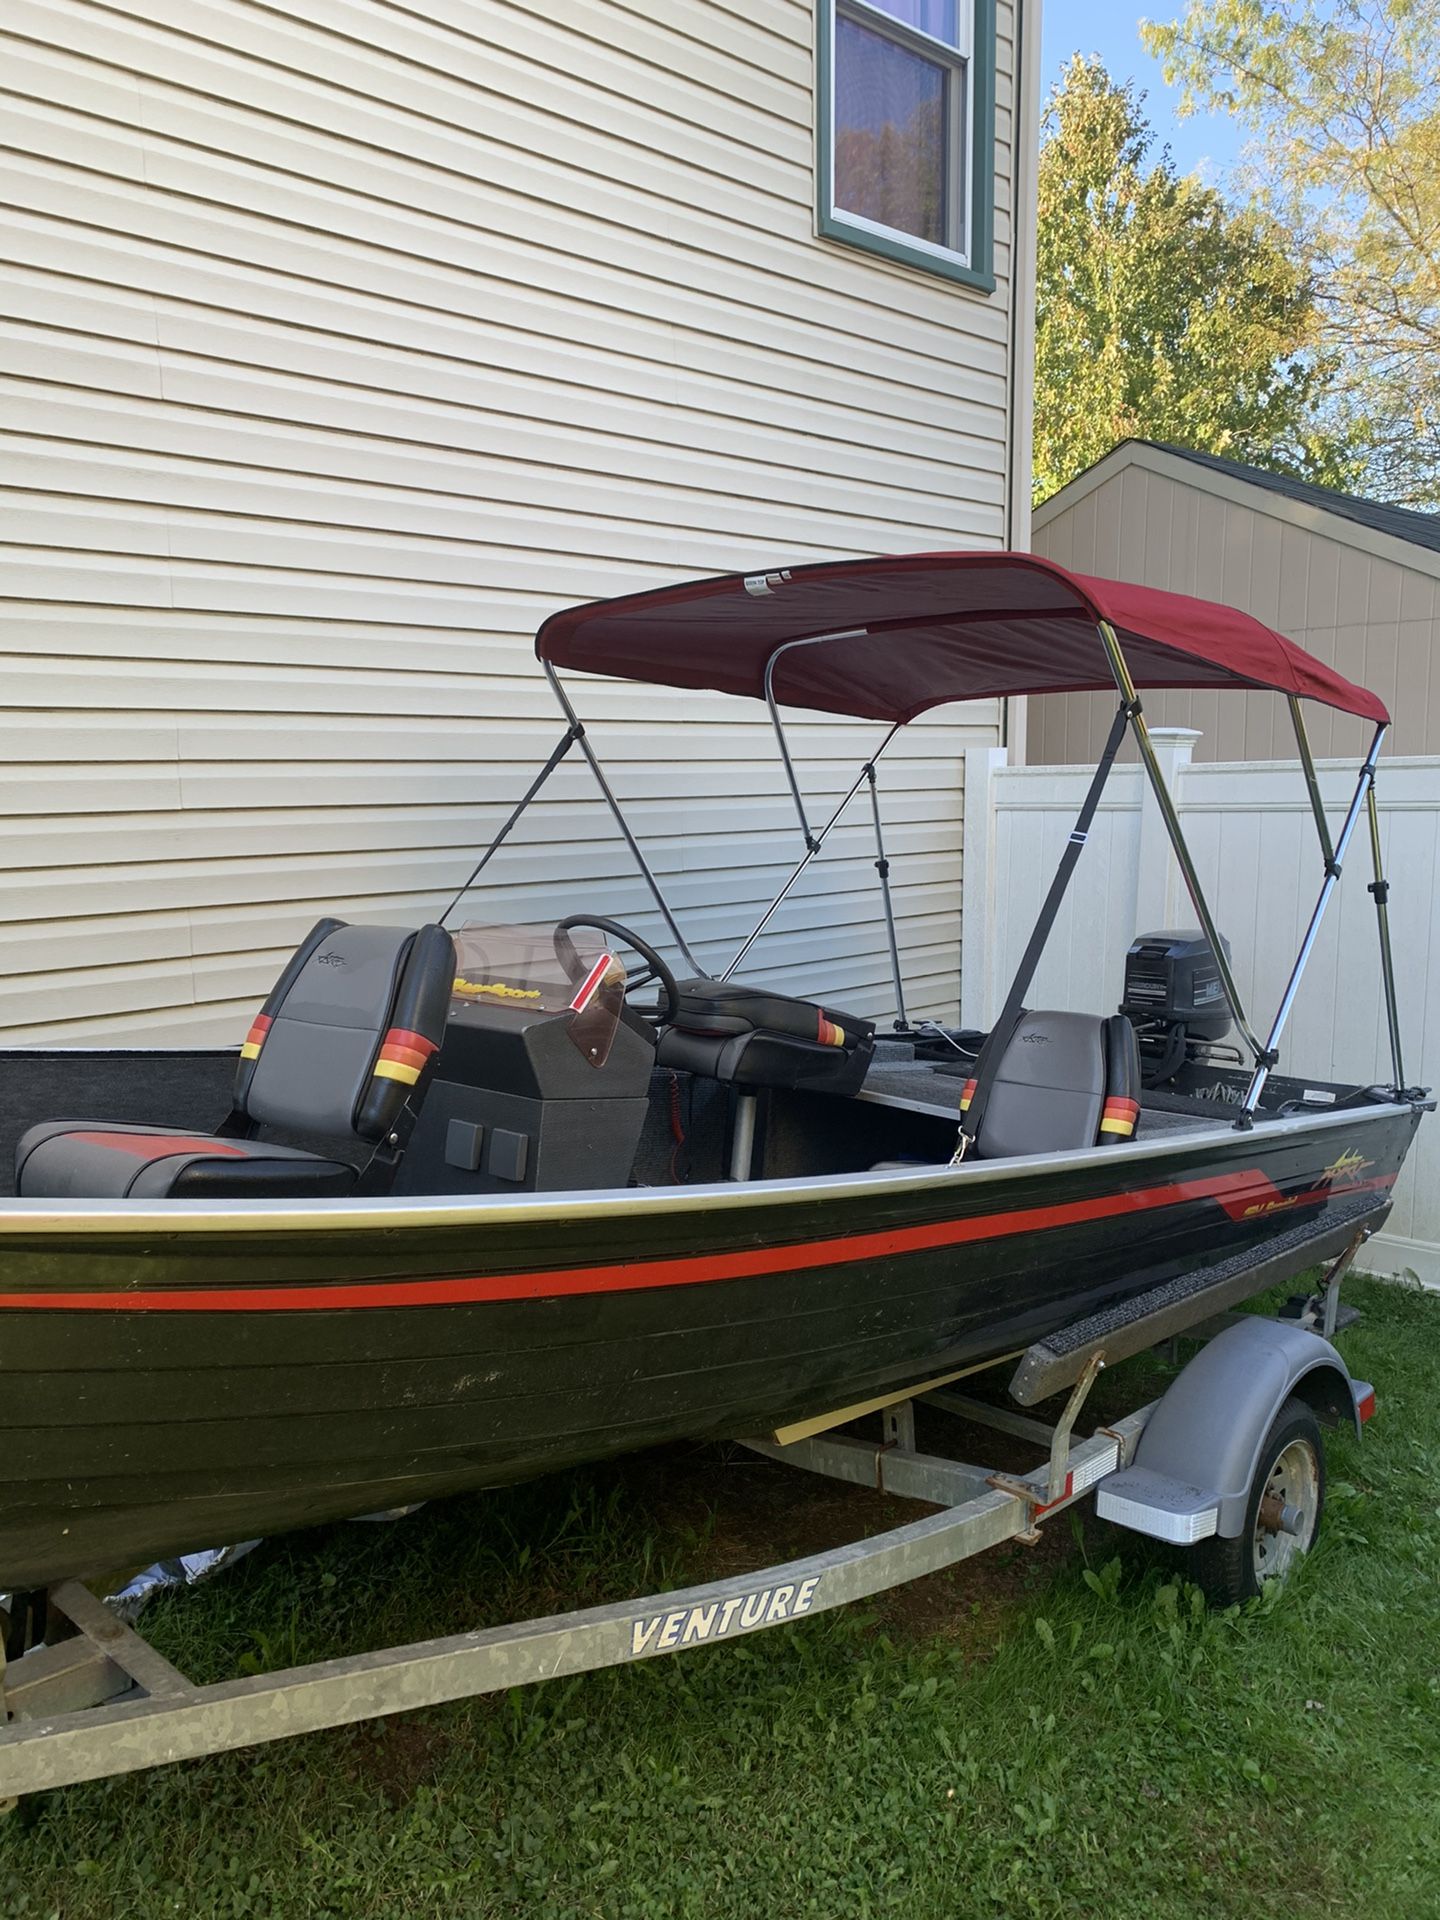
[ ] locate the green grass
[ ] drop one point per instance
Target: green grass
(1061, 1733)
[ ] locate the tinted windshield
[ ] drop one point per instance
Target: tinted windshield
(543, 970)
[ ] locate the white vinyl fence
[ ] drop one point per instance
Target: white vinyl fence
(1253, 838)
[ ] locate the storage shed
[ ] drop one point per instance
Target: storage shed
(1354, 581)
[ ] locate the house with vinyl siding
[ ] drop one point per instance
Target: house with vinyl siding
(341, 343)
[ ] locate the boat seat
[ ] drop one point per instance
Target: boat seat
(751, 1037)
(117, 1160)
(335, 1054)
(1066, 1081)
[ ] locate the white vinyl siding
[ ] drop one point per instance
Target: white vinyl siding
(342, 343)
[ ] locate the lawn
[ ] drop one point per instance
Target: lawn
(1058, 1731)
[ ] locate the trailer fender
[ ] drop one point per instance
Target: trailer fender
(1196, 1458)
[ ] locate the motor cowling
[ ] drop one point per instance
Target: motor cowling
(1174, 997)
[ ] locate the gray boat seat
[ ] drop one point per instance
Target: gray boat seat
(118, 1160)
(339, 1048)
(1066, 1082)
(753, 1037)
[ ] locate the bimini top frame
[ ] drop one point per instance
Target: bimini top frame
(890, 638)
(913, 631)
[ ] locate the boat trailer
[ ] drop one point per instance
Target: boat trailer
(102, 1701)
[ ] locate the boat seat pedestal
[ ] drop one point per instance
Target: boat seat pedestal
(749, 1038)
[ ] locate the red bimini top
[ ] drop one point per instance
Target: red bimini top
(891, 637)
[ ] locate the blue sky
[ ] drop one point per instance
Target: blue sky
(1207, 143)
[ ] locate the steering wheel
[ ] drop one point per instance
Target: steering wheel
(655, 969)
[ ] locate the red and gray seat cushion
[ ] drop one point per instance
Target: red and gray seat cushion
(341, 1043)
(98, 1160)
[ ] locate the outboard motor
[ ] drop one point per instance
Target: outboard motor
(1175, 999)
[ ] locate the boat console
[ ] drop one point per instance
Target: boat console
(543, 1076)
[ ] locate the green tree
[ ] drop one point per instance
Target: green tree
(1163, 313)
(1343, 101)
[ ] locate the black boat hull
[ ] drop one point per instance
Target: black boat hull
(172, 1383)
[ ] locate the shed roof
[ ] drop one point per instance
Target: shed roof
(1401, 523)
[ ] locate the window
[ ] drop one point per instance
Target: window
(906, 135)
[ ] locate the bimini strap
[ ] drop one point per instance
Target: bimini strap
(977, 1093)
(567, 740)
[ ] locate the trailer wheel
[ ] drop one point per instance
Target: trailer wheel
(1282, 1515)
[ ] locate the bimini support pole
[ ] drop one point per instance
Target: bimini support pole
(567, 740)
(1271, 1054)
(1168, 814)
(1380, 890)
(810, 640)
(1312, 783)
(882, 867)
(812, 841)
(614, 805)
(812, 848)
(977, 1098)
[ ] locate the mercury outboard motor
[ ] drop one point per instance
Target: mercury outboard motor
(1175, 999)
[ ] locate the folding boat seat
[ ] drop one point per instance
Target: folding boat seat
(1065, 1082)
(751, 1037)
(335, 1053)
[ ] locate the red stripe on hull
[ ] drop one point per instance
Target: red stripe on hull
(1241, 1194)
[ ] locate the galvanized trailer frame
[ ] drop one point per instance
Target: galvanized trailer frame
(104, 1702)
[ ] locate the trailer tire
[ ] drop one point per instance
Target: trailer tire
(1291, 1471)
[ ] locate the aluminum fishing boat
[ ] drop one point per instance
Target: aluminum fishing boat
(466, 1207)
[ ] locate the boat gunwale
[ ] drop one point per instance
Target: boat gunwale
(20, 1218)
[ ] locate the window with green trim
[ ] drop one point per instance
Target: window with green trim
(907, 128)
